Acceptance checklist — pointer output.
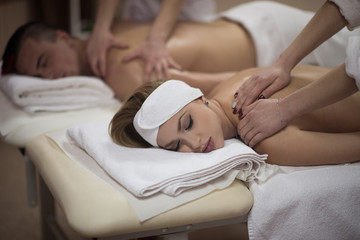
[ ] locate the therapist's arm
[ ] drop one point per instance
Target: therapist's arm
(272, 115)
(153, 50)
(326, 22)
(101, 39)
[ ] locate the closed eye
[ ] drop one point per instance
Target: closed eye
(190, 123)
(45, 62)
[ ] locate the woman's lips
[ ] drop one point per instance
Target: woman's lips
(209, 146)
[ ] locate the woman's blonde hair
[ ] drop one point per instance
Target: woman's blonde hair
(121, 128)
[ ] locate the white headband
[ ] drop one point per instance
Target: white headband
(168, 99)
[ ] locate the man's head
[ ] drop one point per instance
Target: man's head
(36, 49)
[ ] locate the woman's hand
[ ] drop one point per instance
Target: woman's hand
(98, 46)
(156, 59)
(261, 85)
(261, 120)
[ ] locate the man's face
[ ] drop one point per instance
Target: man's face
(47, 59)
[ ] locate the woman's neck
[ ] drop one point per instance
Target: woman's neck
(228, 128)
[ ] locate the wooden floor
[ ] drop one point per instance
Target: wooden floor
(17, 220)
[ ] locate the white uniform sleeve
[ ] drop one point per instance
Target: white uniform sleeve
(350, 9)
(353, 59)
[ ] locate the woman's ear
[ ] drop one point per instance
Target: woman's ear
(203, 99)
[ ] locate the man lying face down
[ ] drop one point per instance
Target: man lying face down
(220, 46)
(39, 50)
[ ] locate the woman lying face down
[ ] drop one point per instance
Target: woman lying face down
(177, 117)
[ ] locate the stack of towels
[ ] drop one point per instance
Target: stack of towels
(147, 171)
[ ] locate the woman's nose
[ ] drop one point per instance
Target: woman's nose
(193, 141)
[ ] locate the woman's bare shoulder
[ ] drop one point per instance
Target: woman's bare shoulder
(231, 84)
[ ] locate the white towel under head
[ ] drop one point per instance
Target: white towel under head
(146, 171)
(36, 94)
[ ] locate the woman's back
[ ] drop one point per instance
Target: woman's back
(327, 131)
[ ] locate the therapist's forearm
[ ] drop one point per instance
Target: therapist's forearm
(165, 20)
(326, 22)
(105, 14)
(330, 88)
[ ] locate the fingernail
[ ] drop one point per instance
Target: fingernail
(236, 94)
(261, 97)
(234, 105)
(240, 113)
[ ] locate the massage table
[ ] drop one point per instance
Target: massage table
(18, 127)
(95, 209)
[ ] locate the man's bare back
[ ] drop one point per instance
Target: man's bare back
(218, 46)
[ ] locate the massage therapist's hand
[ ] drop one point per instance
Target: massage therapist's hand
(261, 119)
(156, 59)
(261, 85)
(99, 44)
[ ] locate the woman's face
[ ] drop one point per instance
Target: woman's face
(195, 128)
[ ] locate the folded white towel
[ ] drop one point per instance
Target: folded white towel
(145, 172)
(37, 94)
(353, 59)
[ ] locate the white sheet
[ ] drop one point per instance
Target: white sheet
(307, 203)
(36, 94)
(272, 32)
(147, 171)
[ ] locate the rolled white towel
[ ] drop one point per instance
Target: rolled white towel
(37, 94)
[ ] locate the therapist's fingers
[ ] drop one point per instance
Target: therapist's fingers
(244, 127)
(274, 87)
(172, 63)
(161, 67)
(255, 139)
(102, 65)
(248, 93)
(94, 67)
(250, 135)
(115, 42)
(131, 56)
(147, 72)
(98, 65)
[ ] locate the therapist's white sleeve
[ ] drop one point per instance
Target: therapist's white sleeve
(352, 62)
(350, 9)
